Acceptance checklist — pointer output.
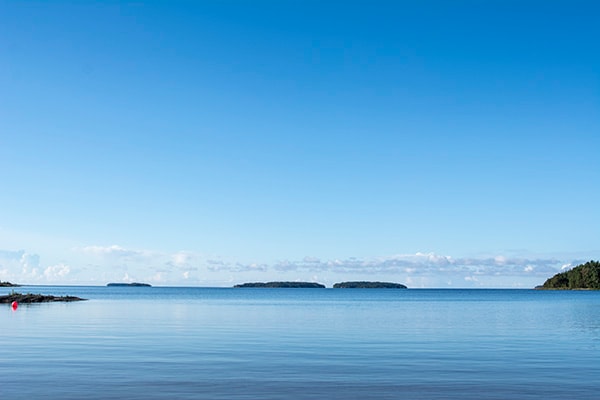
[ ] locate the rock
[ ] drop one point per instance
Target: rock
(35, 298)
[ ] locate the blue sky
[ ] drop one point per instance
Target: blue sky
(433, 143)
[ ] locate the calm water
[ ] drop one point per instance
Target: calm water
(199, 343)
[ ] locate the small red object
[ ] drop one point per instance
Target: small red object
(14, 305)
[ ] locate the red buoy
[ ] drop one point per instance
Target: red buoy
(14, 305)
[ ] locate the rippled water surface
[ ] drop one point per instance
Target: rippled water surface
(201, 343)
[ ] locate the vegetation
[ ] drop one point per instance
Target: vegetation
(7, 284)
(129, 284)
(583, 276)
(368, 285)
(310, 285)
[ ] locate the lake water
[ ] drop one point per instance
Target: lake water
(221, 343)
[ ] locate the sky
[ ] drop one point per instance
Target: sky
(439, 144)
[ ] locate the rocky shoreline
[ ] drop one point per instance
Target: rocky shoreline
(36, 298)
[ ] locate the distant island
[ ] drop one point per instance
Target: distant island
(584, 276)
(129, 284)
(36, 298)
(368, 285)
(294, 285)
(8, 284)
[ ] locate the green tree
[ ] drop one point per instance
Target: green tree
(583, 276)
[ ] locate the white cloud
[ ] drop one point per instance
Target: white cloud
(425, 264)
(103, 264)
(239, 267)
(181, 258)
(111, 251)
(311, 260)
(6, 255)
(416, 270)
(500, 260)
(30, 261)
(24, 267)
(158, 277)
(429, 258)
(56, 272)
(216, 264)
(17, 264)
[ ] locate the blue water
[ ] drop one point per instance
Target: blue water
(202, 343)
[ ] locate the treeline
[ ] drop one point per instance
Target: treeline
(304, 285)
(368, 285)
(583, 276)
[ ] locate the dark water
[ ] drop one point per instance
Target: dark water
(199, 343)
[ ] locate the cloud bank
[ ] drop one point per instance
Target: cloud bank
(417, 264)
(97, 264)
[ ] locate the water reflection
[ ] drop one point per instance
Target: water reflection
(226, 343)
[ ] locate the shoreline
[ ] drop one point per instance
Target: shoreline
(29, 298)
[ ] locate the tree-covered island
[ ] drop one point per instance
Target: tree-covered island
(584, 276)
(8, 284)
(129, 284)
(368, 285)
(293, 285)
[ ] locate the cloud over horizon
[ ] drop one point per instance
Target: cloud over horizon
(427, 264)
(22, 266)
(99, 264)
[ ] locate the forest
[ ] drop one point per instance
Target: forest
(583, 276)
